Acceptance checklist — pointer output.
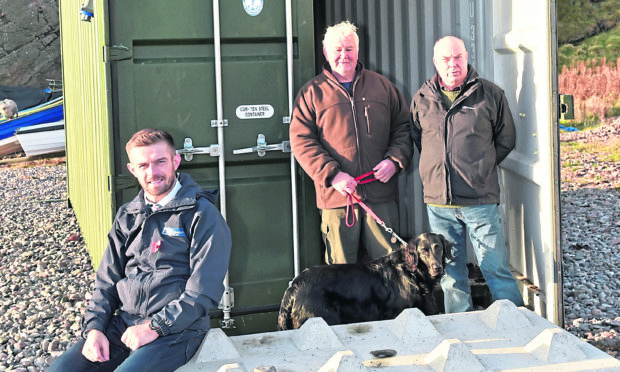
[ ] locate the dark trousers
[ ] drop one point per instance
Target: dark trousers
(165, 353)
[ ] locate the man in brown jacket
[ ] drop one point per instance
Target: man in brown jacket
(349, 121)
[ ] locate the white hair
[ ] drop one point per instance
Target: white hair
(337, 31)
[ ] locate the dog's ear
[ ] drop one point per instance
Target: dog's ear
(415, 241)
(411, 255)
(447, 247)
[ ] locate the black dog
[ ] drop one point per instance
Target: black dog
(378, 290)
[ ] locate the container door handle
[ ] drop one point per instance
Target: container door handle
(189, 150)
(567, 107)
(262, 147)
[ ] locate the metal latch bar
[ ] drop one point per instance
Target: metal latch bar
(262, 147)
(188, 151)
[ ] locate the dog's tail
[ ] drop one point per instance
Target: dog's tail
(285, 321)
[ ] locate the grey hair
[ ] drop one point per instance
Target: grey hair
(9, 108)
(342, 29)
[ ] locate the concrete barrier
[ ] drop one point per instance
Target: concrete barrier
(500, 338)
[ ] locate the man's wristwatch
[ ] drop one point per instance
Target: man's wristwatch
(153, 326)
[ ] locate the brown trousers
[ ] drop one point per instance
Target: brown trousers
(342, 242)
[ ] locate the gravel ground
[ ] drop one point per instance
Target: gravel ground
(46, 275)
(591, 235)
(45, 272)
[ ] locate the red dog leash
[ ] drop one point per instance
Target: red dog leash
(362, 180)
(350, 197)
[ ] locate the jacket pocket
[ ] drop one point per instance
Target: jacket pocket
(133, 293)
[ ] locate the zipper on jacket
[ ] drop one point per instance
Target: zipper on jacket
(447, 162)
(355, 125)
(356, 79)
(357, 135)
(467, 90)
(367, 119)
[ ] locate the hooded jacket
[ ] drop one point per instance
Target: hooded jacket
(333, 130)
(461, 147)
(166, 265)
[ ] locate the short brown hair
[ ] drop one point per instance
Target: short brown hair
(148, 137)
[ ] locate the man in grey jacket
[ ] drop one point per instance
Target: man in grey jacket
(162, 272)
(463, 128)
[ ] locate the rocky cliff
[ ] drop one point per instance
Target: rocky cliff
(29, 42)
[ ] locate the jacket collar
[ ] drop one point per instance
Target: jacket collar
(327, 70)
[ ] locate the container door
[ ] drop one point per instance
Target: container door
(164, 59)
(524, 48)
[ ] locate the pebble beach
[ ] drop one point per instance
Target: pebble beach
(590, 195)
(46, 276)
(45, 272)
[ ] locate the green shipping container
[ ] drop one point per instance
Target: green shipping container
(221, 79)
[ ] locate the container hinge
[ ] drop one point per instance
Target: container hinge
(188, 151)
(219, 123)
(116, 53)
(227, 302)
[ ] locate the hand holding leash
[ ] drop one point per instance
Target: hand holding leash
(350, 221)
(385, 170)
(344, 183)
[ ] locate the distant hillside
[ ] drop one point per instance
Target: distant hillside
(580, 19)
(605, 45)
(588, 30)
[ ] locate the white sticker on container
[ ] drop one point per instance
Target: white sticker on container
(253, 7)
(254, 111)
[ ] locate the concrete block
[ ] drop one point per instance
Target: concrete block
(453, 356)
(501, 338)
(316, 334)
(343, 361)
(413, 326)
(216, 346)
(553, 345)
(232, 367)
(503, 315)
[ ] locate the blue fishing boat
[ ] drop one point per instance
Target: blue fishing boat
(48, 112)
